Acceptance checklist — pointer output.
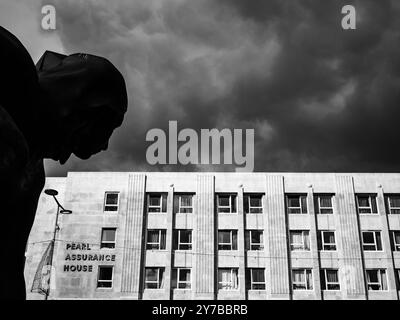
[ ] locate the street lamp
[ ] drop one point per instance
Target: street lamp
(62, 210)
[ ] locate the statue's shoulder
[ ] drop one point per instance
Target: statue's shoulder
(19, 86)
(15, 57)
(20, 174)
(14, 152)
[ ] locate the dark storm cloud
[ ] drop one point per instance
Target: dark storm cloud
(319, 98)
(332, 100)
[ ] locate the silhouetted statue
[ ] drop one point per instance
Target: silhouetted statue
(64, 105)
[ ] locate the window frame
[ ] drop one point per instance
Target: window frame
(159, 281)
(395, 246)
(303, 240)
(176, 272)
(160, 231)
(178, 243)
(221, 283)
(247, 203)
(108, 242)
(178, 197)
(321, 240)
(301, 203)
(102, 280)
(231, 231)
(397, 276)
(379, 274)
(231, 211)
(324, 280)
(374, 232)
(305, 271)
(161, 195)
(371, 207)
(250, 244)
(317, 199)
(250, 282)
(388, 204)
(105, 205)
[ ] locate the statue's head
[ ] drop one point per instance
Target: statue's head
(85, 100)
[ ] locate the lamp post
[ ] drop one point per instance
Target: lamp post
(62, 210)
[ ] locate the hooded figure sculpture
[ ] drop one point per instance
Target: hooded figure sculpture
(66, 105)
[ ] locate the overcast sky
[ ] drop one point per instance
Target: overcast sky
(320, 98)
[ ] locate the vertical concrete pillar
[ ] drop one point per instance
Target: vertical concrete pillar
(204, 240)
(350, 255)
(278, 286)
(390, 266)
(314, 243)
(241, 245)
(132, 263)
(168, 247)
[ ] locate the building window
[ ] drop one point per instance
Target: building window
(226, 203)
(366, 204)
(302, 279)
(299, 240)
(154, 278)
(323, 203)
(253, 203)
(254, 240)
(183, 239)
(393, 203)
(395, 240)
(376, 279)
(157, 203)
(156, 239)
(255, 278)
(105, 277)
(111, 201)
(227, 239)
(181, 278)
(326, 241)
(296, 204)
(330, 279)
(397, 275)
(371, 241)
(108, 238)
(228, 279)
(183, 203)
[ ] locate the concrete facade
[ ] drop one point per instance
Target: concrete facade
(80, 235)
